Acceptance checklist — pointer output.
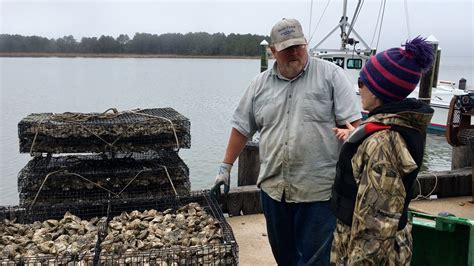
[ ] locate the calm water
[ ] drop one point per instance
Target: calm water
(204, 90)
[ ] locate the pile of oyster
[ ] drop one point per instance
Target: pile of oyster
(150, 237)
(189, 232)
(67, 237)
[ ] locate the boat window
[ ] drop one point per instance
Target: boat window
(354, 63)
(339, 61)
(327, 59)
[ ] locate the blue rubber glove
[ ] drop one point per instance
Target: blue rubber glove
(222, 178)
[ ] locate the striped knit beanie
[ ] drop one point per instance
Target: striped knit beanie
(393, 74)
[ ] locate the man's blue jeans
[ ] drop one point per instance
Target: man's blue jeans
(299, 233)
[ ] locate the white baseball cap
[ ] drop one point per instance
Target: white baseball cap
(287, 32)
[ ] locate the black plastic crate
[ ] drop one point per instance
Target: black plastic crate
(129, 131)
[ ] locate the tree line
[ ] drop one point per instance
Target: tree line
(192, 44)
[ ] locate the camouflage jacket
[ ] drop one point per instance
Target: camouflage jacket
(378, 167)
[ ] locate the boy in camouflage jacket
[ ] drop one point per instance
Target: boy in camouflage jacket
(380, 160)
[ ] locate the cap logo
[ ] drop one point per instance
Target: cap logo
(287, 30)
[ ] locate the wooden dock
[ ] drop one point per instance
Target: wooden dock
(251, 233)
(435, 192)
(245, 200)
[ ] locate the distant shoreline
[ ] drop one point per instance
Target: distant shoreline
(72, 55)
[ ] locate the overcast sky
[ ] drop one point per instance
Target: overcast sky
(450, 21)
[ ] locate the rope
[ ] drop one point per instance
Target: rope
(354, 18)
(133, 179)
(93, 133)
(421, 196)
(320, 18)
(169, 178)
(408, 19)
(41, 187)
(111, 109)
(146, 169)
(76, 118)
(65, 173)
(310, 18)
(36, 135)
(166, 119)
(381, 22)
(377, 24)
(79, 117)
(99, 186)
(78, 175)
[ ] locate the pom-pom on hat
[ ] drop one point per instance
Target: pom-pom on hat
(393, 74)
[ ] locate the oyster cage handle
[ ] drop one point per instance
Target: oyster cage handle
(113, 109)
(101, 234)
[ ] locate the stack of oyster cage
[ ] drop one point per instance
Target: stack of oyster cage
(96, 157)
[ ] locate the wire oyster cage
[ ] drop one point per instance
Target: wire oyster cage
(178, 247)
(82, 178)
(182, 187)
(47, 235)
(128, 131)
(219, 248)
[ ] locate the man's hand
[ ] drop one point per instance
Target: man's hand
(222, 178)
(343, 133)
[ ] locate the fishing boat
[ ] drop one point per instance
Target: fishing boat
(354, 52)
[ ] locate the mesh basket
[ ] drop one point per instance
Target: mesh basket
(87, 178)
(130, 131)
(223, 252)
(72, 254)
(90, 171)
(181, 188)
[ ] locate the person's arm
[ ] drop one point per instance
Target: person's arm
(342, 133)
(383, 160)
(355, 123)
(235, 146)
(243, 127)
(346, 102)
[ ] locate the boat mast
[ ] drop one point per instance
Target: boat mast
(344, 25)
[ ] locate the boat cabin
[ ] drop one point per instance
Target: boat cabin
(351, 62)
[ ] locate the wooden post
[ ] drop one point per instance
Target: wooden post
(249, 165)
(242, 200)
(436, 67)
(426, 82)
(461, 157)
(452, 183)
(471, 142)
(462, 84)
(264, 56)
